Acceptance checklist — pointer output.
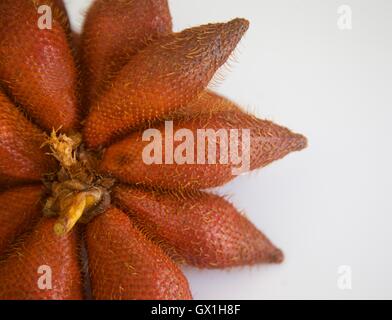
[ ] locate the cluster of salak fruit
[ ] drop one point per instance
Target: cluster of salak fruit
(71, 170)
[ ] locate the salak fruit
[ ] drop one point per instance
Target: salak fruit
(82, 214)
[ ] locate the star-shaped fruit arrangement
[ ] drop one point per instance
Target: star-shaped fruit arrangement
(82, 213)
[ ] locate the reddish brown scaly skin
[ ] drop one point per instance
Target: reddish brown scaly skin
(60, 4)
(114, 31)
(208, 102)
(165, 76)
(41, 73)
(206, 230)
(21, 157)
(75, 39)
(61, 14)
(19, 271)
(19, 207)
(268, 142)
(125, 265)
(153, 75)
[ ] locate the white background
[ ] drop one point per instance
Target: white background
(331, 204)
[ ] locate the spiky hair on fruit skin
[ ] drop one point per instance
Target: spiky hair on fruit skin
(176, 68)
(44, 84)
(145, 21)
(270, 142)
(71, 170)
(232, 239)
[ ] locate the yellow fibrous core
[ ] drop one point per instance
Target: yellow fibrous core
(77, 192)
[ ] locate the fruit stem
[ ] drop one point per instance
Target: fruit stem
(77, 193)
(63, 148)
(75, 206)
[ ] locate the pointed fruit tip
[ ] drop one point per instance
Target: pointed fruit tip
(300, 142)
(241, 23)
(237, 27)
(277, 256)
